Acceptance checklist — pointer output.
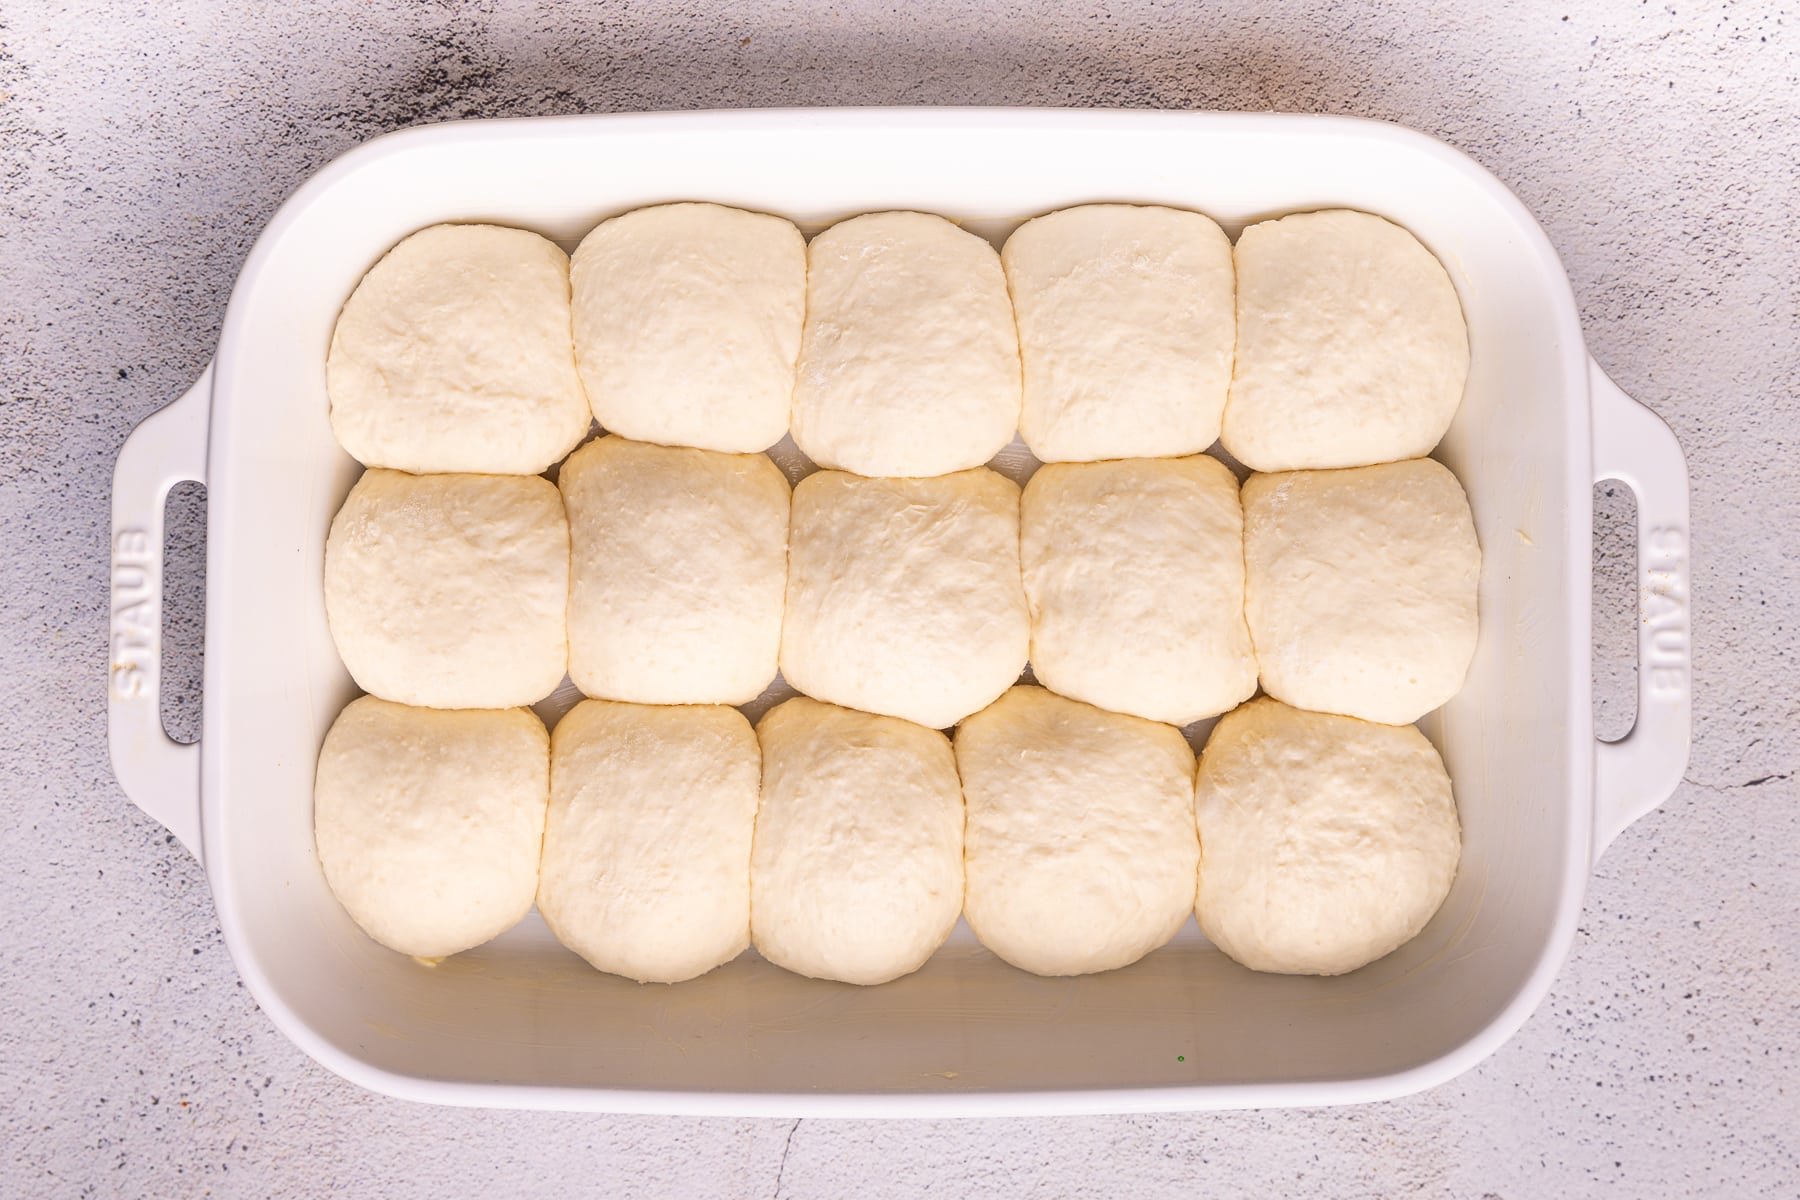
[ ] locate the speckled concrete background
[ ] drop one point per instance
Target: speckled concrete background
(142, 147)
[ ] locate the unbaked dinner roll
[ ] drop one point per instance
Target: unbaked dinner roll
(453, 354)
(687, 323)
(903, 595)
(449, 591)
(646, 869)
(1361, 587)
(1325, 841)
(909, 364)
(1080, 850)
(428, 822)
(1134, 571)
(680, 561)
(1125, 331)
(1351, 346)
(857, 871)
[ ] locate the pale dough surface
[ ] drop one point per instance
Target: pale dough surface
(904, 595)
(679, 567)
(1326, 842)
(428, 822)
(454, 354)
(909, 364)
(449, 591)
(1351, 344)
(1080, 851)
(857, 871)
(1126, 326)
(646, 866)
(1134, 572)
(687, 324)
(1361, 587)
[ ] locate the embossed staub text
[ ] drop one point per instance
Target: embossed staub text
(1665, 610)
(134, 616)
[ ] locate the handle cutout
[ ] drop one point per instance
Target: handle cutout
(183, 612)
(1614, 661)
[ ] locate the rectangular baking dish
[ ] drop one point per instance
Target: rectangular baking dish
(522, 1023)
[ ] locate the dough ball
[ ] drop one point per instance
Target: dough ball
(1134, 572)
(687, 323)
(857, 871)
(1125, 331)
(910, 362)
(1361, 588)
(1080, 851)
(680, 561)
(453, 354)
(903, 595)
(428, 822)
(646, 867)
(448, 591)
(1351, 347)
(1325, 842)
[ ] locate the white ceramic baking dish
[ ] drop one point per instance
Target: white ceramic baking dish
(521, 1022)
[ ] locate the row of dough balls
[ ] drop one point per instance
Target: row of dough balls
(658, 842)
(896, 344)
(666, 575)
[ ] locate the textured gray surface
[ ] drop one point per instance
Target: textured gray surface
(143, 147)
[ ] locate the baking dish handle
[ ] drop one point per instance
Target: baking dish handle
(1635, 774)
(161, 775)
